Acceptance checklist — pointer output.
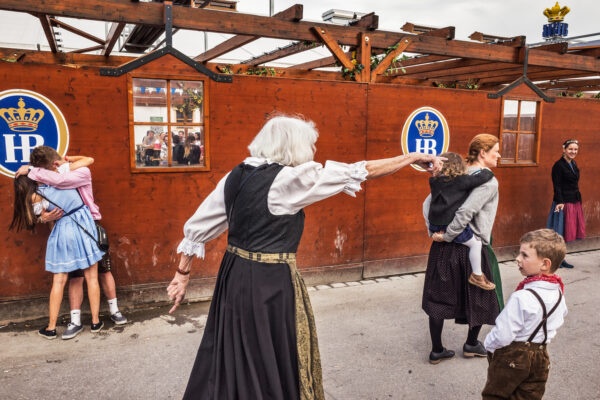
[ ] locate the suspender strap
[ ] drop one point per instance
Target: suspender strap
(543, 323)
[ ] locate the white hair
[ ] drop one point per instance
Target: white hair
(285, 140)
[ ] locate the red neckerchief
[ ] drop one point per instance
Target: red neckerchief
(547, 278)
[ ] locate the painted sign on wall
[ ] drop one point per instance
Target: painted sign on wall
(28, 120)
(425, 131)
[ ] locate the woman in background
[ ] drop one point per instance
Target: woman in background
(566, 213)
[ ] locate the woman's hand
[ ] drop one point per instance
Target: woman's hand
(176, 289)
(438, 236)
(559, 207)
(429, 162)
(178, 286)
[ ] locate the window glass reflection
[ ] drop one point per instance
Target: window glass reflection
(149, 100)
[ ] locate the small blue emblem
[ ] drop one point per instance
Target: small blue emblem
(425, 131)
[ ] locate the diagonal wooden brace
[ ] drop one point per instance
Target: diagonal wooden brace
(385, 63)
(333, 46)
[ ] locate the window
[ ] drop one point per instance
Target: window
(168, 125)
(520, 132)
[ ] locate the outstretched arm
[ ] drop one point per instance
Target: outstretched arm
(386, 166)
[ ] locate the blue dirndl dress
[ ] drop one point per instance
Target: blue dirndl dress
(69, 248)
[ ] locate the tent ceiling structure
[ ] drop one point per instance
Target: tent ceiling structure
(487, 62)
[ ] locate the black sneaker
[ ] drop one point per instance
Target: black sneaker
(474, 351)
(72, 331)
(118, 318)
(96, 327)
(436, 358)
(565, 264)
(45, 333)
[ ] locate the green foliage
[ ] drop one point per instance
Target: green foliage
(226, 69)
(351, 73)
(597, 95)
(261, 71)
(471, 85)
(191, 103)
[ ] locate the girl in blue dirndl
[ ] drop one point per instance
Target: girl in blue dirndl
(69, 248)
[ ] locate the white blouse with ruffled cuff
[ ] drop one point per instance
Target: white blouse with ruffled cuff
(293, 189)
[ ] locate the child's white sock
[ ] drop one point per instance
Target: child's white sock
(474, 245)
(76, 317)
(112, 306)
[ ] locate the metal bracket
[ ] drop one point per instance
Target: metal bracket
(520, 81)
(168, 49)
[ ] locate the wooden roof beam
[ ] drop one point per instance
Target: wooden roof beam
(76, 31)
(245, 24)
(587, 52)
(446, 64)
(333, 46)
(113, 35)
(447, 33)
(369, 22)
(568, 84)
(289, 50)
(485, 38)
(48, 31)
(535, 75)
(88, 49)
(387, 61)
(293, 13)
(560, 48)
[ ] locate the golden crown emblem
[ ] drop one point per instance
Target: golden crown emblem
(22, 119)
(426, 127)
(556, 13)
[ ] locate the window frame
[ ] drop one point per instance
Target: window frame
(537, 133)
(205, 123)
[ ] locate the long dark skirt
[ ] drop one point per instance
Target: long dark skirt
(248, 351)
(448, 295)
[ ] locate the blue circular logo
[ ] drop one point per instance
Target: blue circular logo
(425, 131)
(28, 120)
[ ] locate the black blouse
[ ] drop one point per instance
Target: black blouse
(565, 179)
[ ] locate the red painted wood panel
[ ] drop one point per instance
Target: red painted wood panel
(144, 213)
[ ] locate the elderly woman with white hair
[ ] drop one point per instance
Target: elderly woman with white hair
(260, 339)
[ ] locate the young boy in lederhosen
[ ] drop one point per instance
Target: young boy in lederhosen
(517, 355)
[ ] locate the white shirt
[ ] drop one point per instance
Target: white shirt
(293, 189)
(523, 313)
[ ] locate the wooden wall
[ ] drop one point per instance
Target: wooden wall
(144, 213)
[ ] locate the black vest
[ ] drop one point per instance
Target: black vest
(252, 227)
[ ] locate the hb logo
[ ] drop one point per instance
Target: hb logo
(28, 120)
(425, 131)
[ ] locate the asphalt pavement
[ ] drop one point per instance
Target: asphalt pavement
(373, 339)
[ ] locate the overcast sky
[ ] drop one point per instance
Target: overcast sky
(496, 17)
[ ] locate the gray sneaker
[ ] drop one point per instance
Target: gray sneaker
(72, 331)
(118, 318)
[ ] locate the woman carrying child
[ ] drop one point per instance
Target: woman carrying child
(450, 187)
(68, 248)
(447, 293)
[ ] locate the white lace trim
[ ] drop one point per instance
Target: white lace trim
(191, 248)
(356, 174)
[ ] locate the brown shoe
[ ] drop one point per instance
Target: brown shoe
(481, 281)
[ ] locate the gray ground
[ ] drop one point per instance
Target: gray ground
(373, 338)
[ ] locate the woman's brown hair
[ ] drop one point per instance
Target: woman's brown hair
(483, 141)
(453, 166)
(23, 215)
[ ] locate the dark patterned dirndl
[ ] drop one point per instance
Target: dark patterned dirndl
(447, 293)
